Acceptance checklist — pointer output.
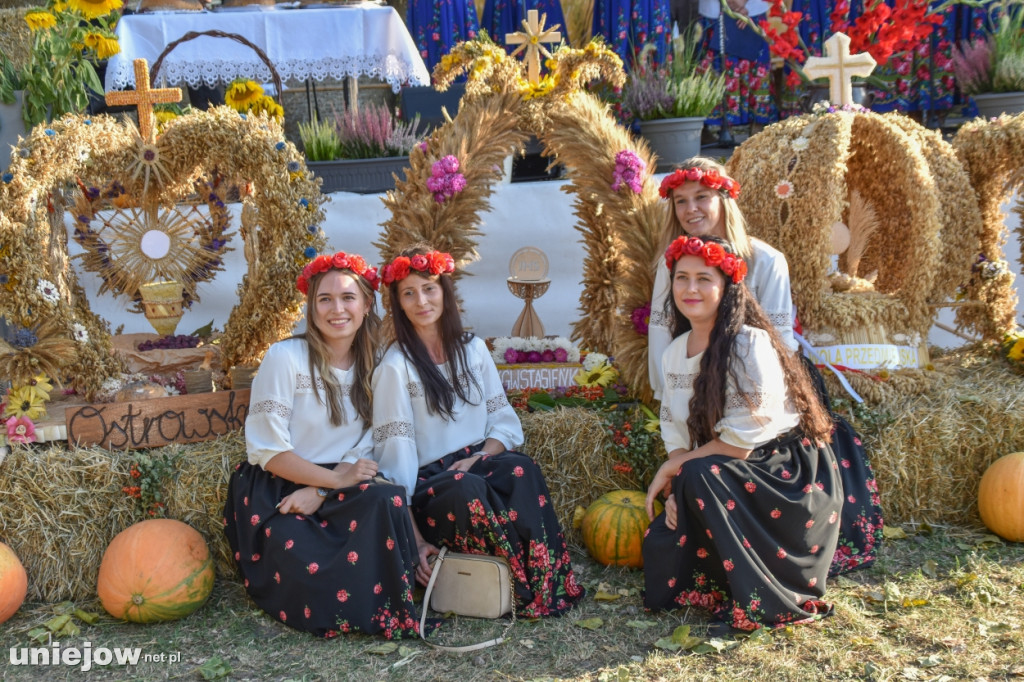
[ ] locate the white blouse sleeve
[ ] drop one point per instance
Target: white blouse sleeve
(678, 375)
(394, 431)
(755, 410)
(502, 421)
(659, 332)
(267, 430)
(361, 450)
(770, 286)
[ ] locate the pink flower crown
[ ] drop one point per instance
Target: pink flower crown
(432, 262)
(340, 261)
(709, 178)
(713, 253)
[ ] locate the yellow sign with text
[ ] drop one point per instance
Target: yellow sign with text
(869, 356)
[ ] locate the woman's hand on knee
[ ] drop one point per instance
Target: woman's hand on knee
(660, 484)
(671, 512)
(302, 501)
(465, 464)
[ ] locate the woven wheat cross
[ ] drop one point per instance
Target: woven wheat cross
(144, 97)
(530, 39)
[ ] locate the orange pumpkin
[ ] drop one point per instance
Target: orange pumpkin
(1001, 497)
(13, 583)
(156, 570)
(614, 526)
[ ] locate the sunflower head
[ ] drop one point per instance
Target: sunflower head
(93, 9)
(25, 402)
(242, 94)
(39, 20)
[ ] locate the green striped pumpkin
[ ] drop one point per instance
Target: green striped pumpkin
(155, 570)
(614, 526)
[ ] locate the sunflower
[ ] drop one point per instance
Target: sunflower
(104, 46)
(25, 402)
(602, 375)
(242, 94)
(93, 9)
(41, 385)
(40, 20)
(267, 105)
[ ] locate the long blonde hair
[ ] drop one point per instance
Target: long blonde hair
(365, 353)
(735, 223)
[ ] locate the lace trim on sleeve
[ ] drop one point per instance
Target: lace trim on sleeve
(304, 382)
(665, 414)
(681, 381)
(271, 407)
(414, 389)
(779, 319)
(748, 400)
(393, 430)
(658, 319)
(497, 403)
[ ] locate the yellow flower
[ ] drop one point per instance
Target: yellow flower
(602, 375)
(104, 46)
(267, 105)
(40, 21)
(546, 85)
(25, 402)
(163, 117)
(41, 384)
(1017, 352)
(59, 6)
(93, 9)
(242, 94)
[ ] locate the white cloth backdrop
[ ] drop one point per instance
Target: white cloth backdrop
(537, 214)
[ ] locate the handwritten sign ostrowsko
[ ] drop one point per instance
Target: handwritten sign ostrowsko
(159, 421)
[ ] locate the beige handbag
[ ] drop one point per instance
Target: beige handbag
(474, 585)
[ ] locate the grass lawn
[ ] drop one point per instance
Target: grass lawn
(940, 604)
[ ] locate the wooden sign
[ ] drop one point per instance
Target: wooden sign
(156, 422)
(546, 376)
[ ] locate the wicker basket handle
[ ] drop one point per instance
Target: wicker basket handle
(217, 34)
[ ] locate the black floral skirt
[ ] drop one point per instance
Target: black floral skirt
(347, 568)
(754, 538)
(500, 507)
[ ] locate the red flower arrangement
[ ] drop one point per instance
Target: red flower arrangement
(711, 179)
(339, 261)
(713, 253)
(434, 262)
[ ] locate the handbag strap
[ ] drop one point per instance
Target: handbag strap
(426, 605)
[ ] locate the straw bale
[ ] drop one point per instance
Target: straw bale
(570, 446)
(929, 456)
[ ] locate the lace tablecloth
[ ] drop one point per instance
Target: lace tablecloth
(301, 43)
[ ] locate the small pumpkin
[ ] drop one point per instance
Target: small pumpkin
(1001, 497)
(13, 583)
(155, 570)
(614, 526)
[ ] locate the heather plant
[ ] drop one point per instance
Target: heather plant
(320, 140)
(996, 62)
(675, 89)
(372, 131)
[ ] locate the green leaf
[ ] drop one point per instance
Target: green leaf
(204, 331)
(893, 533)
(383, 648)
(606, 596)
(590, 623)
(57, 622)
(39, 635)
(87, 616)
(681, 636)
(214, 668)
(930, 568)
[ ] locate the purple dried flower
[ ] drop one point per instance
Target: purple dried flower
(533, 356)
(511, 355)
(629, 169)
(548, 355)
(641, 318)
(561, 355)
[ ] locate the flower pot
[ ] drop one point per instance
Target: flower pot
(992, 104)
(11, 128)
(673, 139)
(362, 176)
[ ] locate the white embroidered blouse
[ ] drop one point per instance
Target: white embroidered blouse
(407, 436)
(285, 414)
(758, 410)
(767, 279)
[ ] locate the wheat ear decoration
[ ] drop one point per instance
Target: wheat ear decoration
(862, 221)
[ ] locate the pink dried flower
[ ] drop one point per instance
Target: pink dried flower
(629, 169)
(21, 430)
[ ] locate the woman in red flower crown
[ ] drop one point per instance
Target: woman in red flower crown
(321, 546)
(444, 431)
(753, 490)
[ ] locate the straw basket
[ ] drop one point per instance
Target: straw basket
(191, 35)
(161, 303)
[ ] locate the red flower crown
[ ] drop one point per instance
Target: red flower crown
(713, 253)
(340, 261)
(709, 178)
(432, 262)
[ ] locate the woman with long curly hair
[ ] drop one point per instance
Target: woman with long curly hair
(753, 489)
(444, 431)
(320, 544)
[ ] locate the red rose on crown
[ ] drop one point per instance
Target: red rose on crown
(693, 174)
(371, 276)
(693, 247)
(438, 262)
(340, 261)
(400, 268)
(419, 262)
(674, 252)
(729, 264)
(302, 283)
(713, 254)
(740, 273)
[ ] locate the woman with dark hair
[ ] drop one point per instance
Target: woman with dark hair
(443, 430)
(753, 489)
(321, 546)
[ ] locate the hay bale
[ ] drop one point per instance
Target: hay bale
(571, 446)
(930, 451)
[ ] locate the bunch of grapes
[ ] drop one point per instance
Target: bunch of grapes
(179, 341)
